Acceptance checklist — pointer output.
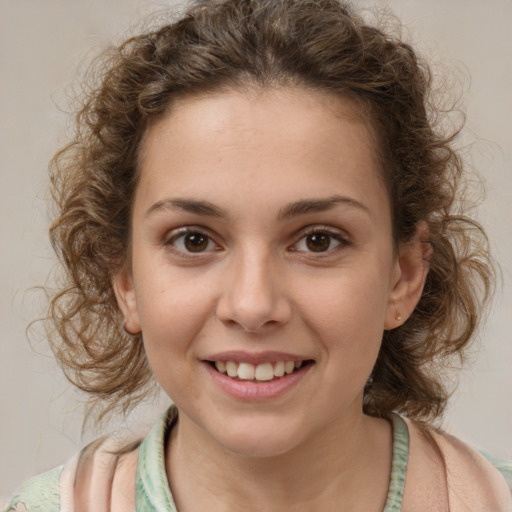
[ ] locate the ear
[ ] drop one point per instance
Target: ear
(412, 267)
(124, 291)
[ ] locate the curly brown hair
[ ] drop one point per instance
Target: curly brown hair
(317, 44)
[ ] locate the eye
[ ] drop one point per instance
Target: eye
(319, 241)
(192, 241)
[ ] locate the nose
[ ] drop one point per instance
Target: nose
(253, 297)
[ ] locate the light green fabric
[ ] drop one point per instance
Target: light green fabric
(399, 465)
(152, 491)
(41, 493)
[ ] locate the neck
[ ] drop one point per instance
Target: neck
(328, 470)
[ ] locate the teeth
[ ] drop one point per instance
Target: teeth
(264, 371)
(246, 371)
(279, 369)
(260, 372)
(232, 369)
(221, 366)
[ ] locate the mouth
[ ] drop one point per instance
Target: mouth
(263, 372)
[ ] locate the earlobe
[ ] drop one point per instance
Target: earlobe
(122, 284)
(412, 270)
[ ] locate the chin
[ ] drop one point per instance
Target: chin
(259, 437)
(259, 446)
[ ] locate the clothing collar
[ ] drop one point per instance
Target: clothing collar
(152, 491)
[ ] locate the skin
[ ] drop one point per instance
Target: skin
(257, 286)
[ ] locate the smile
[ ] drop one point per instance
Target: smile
(257, 372)
(257, 377)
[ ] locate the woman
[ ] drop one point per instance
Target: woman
(258, 211)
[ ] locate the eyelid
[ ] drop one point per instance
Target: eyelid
(323, 228)
(182, 231)
(336, 233)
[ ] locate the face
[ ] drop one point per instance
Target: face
(262, 269)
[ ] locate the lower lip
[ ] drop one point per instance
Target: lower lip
(257, 390)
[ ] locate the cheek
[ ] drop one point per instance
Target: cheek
(172, 312)
(171, 324)
(347, 297)
(347, 314)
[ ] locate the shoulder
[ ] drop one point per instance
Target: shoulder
(104, 468)
(472, 477)
(468, 480)
(39, 494)
(503, 466)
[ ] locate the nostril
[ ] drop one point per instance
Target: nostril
(251, 298)
(268, 323)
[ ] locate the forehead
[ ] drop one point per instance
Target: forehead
(246, 103)
(287, 136)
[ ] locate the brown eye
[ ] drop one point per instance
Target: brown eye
(319, 242)
(192, 242)
(195, 242)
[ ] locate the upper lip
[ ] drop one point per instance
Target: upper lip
(255, 358)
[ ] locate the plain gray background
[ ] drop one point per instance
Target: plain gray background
(42, 44)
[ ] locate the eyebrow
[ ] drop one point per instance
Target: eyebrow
(204, 208)
(295, 209)
(306, 206)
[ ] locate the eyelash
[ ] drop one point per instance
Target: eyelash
(211, 245)
(181, 233)
(341, 240)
